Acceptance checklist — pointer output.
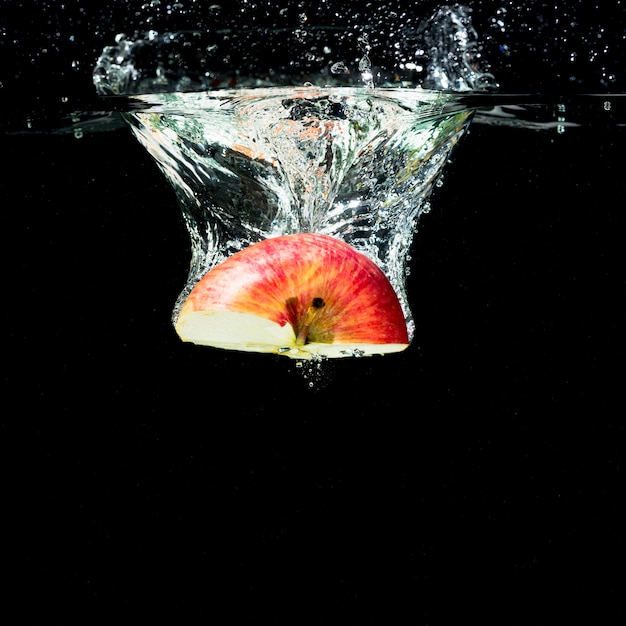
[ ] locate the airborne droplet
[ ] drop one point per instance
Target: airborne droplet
(339, 68)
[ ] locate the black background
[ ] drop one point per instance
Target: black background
(479, 475)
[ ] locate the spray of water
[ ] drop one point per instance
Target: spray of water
(336, 137)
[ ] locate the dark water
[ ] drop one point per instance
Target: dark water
(480, 473)
(485, 461)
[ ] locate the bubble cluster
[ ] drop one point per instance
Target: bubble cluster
(313, 371)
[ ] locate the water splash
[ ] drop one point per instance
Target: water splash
(248, 165)
(338, 137)
(450, 53)
(440, 53)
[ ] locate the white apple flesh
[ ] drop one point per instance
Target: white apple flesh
(298, 295)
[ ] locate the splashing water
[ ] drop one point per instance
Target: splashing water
(386, 68)
(451, 52)
(252, 164)
(251, 155)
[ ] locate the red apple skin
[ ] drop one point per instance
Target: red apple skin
(280, 278)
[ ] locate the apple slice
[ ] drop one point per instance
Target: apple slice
(298, 295)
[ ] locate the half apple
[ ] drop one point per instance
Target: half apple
(298, 295)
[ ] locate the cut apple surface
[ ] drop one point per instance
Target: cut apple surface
(298, 295)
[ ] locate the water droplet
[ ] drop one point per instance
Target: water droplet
(365, 67)
(339, 68)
